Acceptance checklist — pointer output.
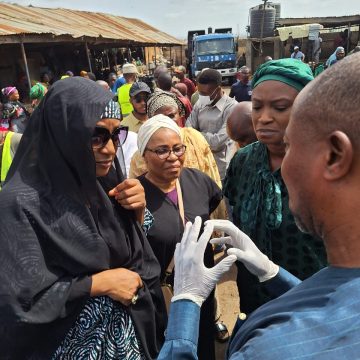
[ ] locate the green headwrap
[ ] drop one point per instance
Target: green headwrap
(289, 71)
(37, 91)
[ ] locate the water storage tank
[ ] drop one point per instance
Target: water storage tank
(277, 7)
(256, 18)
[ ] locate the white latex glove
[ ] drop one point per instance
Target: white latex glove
(193, 281)
(244, 249)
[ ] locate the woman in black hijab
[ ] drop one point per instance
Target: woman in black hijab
(78, 278)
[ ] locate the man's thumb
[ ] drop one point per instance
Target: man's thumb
(224, 265)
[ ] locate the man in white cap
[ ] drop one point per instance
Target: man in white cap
(130, 73)
(297, 54)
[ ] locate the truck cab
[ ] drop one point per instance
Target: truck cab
(215, 51)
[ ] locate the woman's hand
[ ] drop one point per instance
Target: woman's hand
(119, 284)
(131, 196)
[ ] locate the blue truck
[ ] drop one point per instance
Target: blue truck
(213, 50)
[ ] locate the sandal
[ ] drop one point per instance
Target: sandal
(221, 332)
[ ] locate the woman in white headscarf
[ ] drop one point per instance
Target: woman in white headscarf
(169, 187)
(198, 153)
(333, 56)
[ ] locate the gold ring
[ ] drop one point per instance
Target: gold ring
(134, 299)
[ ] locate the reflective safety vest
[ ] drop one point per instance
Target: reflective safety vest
(6, 158)
(124, 99)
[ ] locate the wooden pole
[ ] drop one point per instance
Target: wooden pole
(155, 54)
(348, 39)
(147, 58)
(26, 64)
(262, 28)
(88, 56)
(108, 59)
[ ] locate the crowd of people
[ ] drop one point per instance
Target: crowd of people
(112, 189)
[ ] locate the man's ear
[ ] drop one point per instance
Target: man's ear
(340, 156)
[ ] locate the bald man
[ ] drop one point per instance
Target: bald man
(159, 70)
(268, 58)
(103, 84)
(319, 317)
(164, 81)
(182, 88)
(239, 125)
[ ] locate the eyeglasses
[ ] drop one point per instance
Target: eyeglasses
(139, 98)
(164, 153)
(102, 135)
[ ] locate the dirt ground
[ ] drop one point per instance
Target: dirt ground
(227, 293)
(228, 304)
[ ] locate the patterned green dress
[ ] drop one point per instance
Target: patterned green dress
(261, 209)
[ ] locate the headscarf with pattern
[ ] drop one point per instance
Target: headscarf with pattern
(288, 71)
(112, 111)
(162, 98)
(38, 91)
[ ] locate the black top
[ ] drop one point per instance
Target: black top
(201, 196)
(58, 227)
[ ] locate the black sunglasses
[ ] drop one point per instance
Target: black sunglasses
(102, 135)
(139, 98)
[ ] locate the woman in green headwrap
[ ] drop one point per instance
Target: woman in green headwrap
(256, 190)
(37, 92)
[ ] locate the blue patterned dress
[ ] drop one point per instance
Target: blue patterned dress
(104, 330)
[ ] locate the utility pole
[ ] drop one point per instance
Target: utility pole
(25, 63)
(262, 28)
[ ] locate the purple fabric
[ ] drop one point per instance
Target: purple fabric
(8, 90)
(172, 195)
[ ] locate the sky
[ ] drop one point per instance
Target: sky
(176, 17)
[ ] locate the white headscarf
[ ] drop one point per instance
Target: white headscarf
(150, 126)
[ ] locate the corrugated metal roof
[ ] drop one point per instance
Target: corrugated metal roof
(16, 20)
(326, 21)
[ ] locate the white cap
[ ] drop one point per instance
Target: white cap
(129, 69)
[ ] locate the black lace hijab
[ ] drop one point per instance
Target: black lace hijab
(58, 227)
